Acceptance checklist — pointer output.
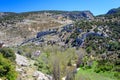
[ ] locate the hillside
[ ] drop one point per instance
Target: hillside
(64, 45)
(3, 14)
(16, 27)
(114, 11)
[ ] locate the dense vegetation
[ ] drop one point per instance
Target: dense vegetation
(7, 64)
(105, 50)
(53, 60)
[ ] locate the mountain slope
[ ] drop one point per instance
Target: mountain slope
(16, 27)
(68, 43)
(3, 14)
(114, 11)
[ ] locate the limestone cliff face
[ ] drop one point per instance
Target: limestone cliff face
(78, 15)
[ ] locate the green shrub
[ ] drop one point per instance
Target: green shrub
(117, 75)
(8, 53)
(7, 69)
(89, 49)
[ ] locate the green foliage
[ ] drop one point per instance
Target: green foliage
(84, 25)
(55, 60)
(96, 30)
(89, 74)
(103, 68)
(8, 53)
(114, 46)
(74, 35)
(105, 49)
(117, 75)
(89, 49)
(27, 50)
(42, 66)
(7, 69)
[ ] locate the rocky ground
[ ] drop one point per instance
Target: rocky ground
(15, 28)
(27, 70)
(14, 32)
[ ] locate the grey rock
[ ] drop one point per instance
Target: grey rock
(40, 76)
(21, 60)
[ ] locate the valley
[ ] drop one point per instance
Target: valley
(60, 45)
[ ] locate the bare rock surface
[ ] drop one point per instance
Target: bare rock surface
(21, 60)
(41, 76)
(27, 71)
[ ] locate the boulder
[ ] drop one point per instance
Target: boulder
(21, 60)
(40, 76)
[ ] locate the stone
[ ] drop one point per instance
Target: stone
(40, 76)
(21, 60)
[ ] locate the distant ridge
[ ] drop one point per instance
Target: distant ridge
(114, 11)
(2, 14)
(70, 14)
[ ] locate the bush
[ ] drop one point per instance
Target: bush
(7, 69)
(88, 49)
(56, 61)
(117, 75)
(8, 53)
(103, 67)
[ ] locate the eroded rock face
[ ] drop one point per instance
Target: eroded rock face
(78, 15)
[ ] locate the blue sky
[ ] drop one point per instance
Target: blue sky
(95, 6)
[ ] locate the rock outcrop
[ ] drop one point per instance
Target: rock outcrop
(40, 76)
(27, 70)
(21, 60)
